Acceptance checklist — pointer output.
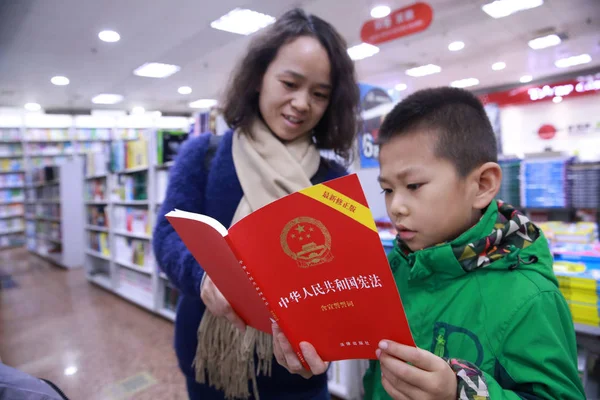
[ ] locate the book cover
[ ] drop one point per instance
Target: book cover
(313, 262)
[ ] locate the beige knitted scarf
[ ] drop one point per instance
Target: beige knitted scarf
(268, 169)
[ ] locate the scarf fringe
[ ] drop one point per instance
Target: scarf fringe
(225, 357)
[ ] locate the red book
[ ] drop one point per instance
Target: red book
(312, 261)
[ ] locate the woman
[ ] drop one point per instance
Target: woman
(292, 94)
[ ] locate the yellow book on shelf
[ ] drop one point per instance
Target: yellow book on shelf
(137, 153)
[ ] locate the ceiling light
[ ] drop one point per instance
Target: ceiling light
(156, 114)
(573, 61)
(504, 8)
(185, 90)
(456, 46)
(544, 41)
(109, 36)
(380, 11)
(242, 21)
(557, 99)
(106, 98)
(70, 371)
(362, 51)
(526, 79)
(401, 86)
(60, 80)
(464, 83)
(137, 110)
(203, 103)
(156, 70)
(498, 66)
(424, 70)
(33, 107)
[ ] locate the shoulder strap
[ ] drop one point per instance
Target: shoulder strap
(213, 144)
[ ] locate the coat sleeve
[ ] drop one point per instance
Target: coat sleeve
(537, 360)
(185, 191)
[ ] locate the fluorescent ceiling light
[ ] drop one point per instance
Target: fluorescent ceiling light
(184, 90)
(242, 21)
(464, 83)
(33, 107)
(500, 65)
(380, 11)
(573, 61)
(557, 99)
(526, 79)
(544, 41)
(109, 36)
(60, 80)
(203, 103)
(107, 98)
(156, 114)
(362, 51)
(156, 70)
(424, 70)
(401, 86)
(70, 371)
(504, 8)
(137, 110)
(456, 46)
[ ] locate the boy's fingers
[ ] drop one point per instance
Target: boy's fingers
(419, 358)
(392, 391)
(314, 361)
(291, 360)
(396, 369)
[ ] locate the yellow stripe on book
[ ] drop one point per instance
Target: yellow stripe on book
(342, 203)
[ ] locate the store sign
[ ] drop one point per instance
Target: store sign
(402, 22)
(375, 103)
(547, 132)
(585, 85)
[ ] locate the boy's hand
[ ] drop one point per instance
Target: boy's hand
(287, 358)
(426, 377)
(218, 305)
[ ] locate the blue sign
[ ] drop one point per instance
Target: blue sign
(371, 97)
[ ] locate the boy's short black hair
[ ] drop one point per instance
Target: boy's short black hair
(465, 135)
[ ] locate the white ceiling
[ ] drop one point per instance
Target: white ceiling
(41, 38)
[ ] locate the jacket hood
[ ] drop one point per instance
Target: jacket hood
(503, 238)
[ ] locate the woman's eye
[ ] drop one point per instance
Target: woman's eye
(386, 191)
(289, 85)
(414, 186)
(322, 96)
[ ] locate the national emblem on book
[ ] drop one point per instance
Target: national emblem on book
(307, 241)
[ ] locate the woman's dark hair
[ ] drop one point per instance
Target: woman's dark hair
(338, 127)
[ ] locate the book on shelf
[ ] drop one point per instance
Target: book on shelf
(132, 220)
(311, 261)
(97, 216)
(98, 241)
(134, 251)
(162, 182)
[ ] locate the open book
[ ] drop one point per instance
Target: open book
(313, 262)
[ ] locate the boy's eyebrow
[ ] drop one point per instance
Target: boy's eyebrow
(402, 174)
(302, 78)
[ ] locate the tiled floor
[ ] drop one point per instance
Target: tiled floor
(55, 320)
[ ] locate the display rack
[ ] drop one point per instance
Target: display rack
(54, 219)
(12, 185)
(120, 207)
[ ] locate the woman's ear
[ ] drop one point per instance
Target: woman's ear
(489, 179)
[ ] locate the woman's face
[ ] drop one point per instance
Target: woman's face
(295, 89)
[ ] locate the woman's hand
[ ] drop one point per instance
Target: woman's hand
(287, 358)
(218, 305)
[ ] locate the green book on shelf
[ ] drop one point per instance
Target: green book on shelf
(168, 143)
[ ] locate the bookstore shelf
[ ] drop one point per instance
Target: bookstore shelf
(134, 267)
(168, 314)
(96, 228)
(11, 231)
(101, 280)
(97, 254)
(134, 235)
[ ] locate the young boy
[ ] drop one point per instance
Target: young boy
(474, 274)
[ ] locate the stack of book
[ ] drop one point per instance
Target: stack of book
(510, 189)
(544, 183)
(584, 179)
(579, 282)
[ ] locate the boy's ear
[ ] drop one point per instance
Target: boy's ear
(489, 180)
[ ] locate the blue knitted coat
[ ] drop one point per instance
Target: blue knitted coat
(217, 194)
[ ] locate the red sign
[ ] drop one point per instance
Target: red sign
(547, 132)
(402, 22)
(530, 94)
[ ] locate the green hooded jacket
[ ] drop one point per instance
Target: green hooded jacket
(489, 303)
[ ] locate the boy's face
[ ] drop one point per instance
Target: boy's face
(426, 199)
